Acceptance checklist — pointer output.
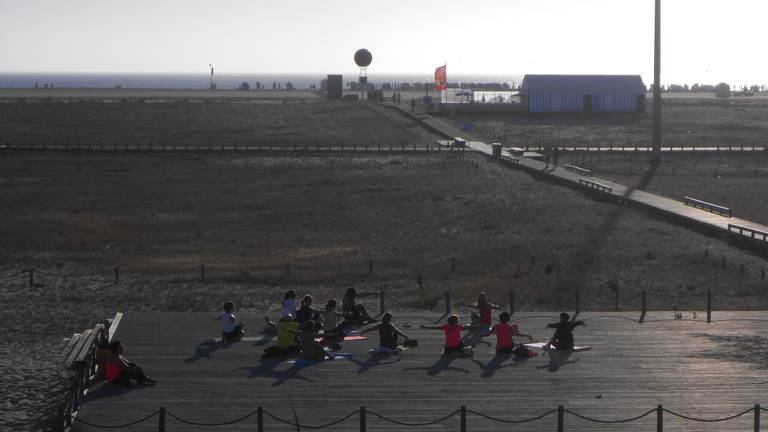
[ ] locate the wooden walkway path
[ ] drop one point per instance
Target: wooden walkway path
(688, 366)
(618, 192)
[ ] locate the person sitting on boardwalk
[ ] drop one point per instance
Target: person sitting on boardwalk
(311, 350)
(354, 313)
(231, 330)
(504, 343)
(286, 338)
(333, 332)
(388, 334)
(563, 337)
(484, 314)
(118, 370)
(288, 305)
(306, 312)
(453, 342)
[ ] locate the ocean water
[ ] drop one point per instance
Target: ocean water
(223, 81)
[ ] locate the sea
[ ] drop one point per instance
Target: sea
(223, 81)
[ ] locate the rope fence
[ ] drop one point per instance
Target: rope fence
(463, 413)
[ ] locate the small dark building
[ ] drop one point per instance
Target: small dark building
(584, 93)
(335, 87)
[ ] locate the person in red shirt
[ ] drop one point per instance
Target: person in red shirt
(453, 341)
(484, 314)
(118, 370)
(504, 343)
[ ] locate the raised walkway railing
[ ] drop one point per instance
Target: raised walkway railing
(365, 418)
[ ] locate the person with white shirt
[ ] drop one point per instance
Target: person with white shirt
(231, 330)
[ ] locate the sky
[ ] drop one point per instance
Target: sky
(702, 40)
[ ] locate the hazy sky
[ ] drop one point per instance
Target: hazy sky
(703, 40)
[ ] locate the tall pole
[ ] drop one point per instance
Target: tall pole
(657, 83)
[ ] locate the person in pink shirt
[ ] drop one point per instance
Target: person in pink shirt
(453, 341)
(504, 343)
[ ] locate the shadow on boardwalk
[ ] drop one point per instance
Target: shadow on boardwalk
(268, 369)
(441, 365)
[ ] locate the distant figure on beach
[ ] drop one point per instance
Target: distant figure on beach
(118, 370)
(398, 98)
(413, 104)
(555, 155)
(231, 330)
(547, 150)
(563, 337)
(36, 84)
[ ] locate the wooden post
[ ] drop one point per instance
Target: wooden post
(463, 421)
(260, 419)
(560, 418)
(117, 275)
(202, 272)
(659, 419)
(709, 306)
(757, 417)
(362, 419)
(453, 265)
(31, 277)
(447, 302)
(578, 302)
(381, 301)
(287, 269)
(511, 302)
(741, 268)
(723, 263)
(642, 306)
(370, 266)
(161, 420)
(616, 300)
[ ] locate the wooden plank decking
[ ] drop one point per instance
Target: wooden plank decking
(631, 368)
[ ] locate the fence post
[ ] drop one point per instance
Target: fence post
(463, 424)
(659, 419)
(447, 302)
(161, 420)
(381, 301)
(31, 277)
(260, 419)
(616, 300)
(757, 417)
(202, 272)
(370, 266)
(762, 274)
(578, 302)
(709, 306)
(287, 269)
(453, 265)
(362, 419)
(560, 418)
(642, 306)
(117, 275)
(511, 302)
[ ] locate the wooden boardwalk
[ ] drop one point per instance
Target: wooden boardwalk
(688, 366)
(654, 202)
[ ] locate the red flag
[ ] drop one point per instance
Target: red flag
(441, 78)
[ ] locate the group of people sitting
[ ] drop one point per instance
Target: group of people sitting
(314, 334)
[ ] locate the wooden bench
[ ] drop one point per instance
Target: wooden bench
(510, 159)
(82, 360)
(703, 205)
(748, 232)
(593, 185)
(579, 170)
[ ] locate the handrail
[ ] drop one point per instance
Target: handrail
(260, 414)
(578, 169)
(751, 232)
(596, 186)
